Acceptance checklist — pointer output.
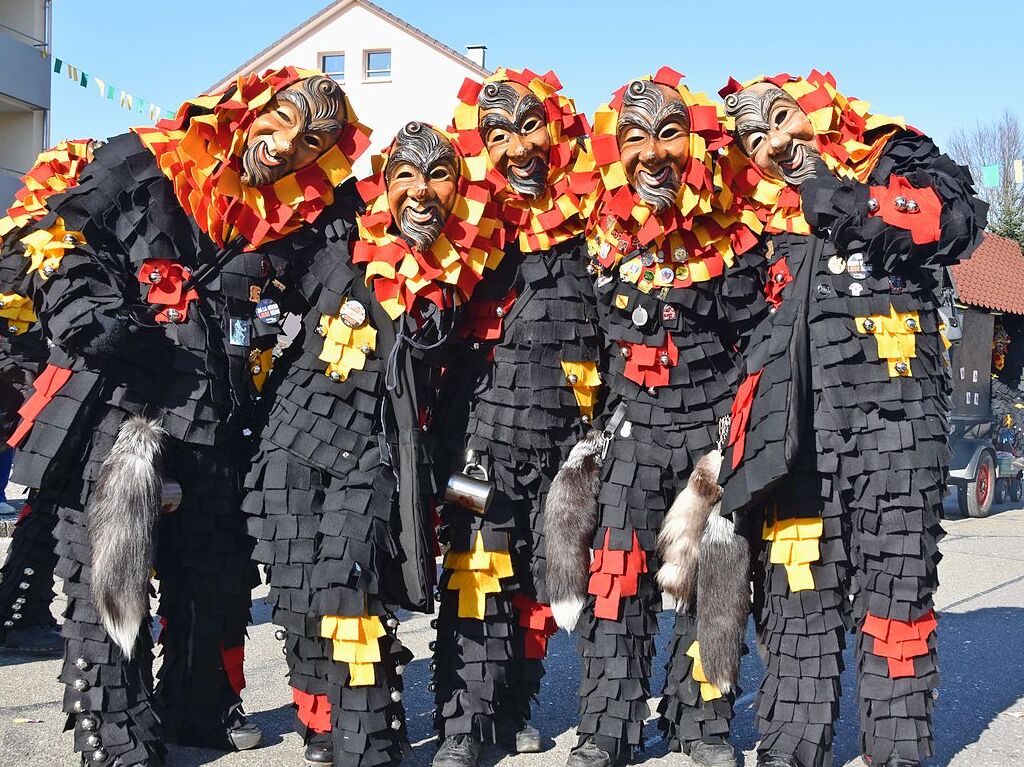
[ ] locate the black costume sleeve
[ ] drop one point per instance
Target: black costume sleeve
(843, 207)
(741, 298)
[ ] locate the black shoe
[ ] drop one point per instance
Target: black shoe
(589, 754)
(34, 640)
(528, 740)
(776, 759)
(711, 754)
(320, 750)
(458, 751)
(893, 761)
(235, 734)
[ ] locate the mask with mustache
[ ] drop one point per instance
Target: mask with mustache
(317, 105)
(774, 132)
(509, 116)
(652, 122)
(422, 179)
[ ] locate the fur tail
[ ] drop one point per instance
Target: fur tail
(570, 518)
(122, 515)
(680, 536)
(723, 600)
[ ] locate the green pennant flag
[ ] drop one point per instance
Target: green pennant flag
(990, 176)
(140, 106)
(57, 65)
(110, 92)
(84, 81)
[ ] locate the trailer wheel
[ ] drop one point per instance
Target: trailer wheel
(975, 496)
(1002, 490)
(1016, 490)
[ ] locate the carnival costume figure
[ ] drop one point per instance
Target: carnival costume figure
(529, 378)
(145, 280)
(838, 450)
(26, 586)
(674, 296)
(340, 493)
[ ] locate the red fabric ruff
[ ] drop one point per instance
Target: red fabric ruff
(46, 386)
(773, 289)
(539, 624)
(614, 575)
(741, 416)
(234, 666)
(922, 225)
(644, 365)
(314, 711)
(167, 289)
(899, 642)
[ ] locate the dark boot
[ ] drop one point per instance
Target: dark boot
(236, 734)
(458, 751)
(528, 740)
(320, 750)
(34, 640)
(893, 761)
(589, 754)
(711, 754)
(776, 759)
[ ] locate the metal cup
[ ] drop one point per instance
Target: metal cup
(472, 493)
(170, 496)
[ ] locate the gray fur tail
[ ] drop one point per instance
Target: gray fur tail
(723, 600)
(570, 519)
(121, 518)
(680, 536)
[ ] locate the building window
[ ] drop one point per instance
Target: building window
(333, 65)
(377, 65)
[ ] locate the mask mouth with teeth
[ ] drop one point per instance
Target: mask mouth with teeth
(297, 126)
(774, 132)
(514, 127)
(421, 174)
(653, 139)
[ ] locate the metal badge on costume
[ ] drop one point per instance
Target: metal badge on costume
(473, 493)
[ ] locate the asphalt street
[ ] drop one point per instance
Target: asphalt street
(979, 718)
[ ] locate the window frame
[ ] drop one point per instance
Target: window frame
(367, 77)
(323, 55)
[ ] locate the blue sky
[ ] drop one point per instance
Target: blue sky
(937, 64)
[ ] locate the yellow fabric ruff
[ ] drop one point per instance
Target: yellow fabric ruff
(895, 336)
(356, 642)
(588, 380)
(475, 574)
(63, 165)
(18, 312)
(795, 544)
(45, 248)
(345, 349)
(707, 690)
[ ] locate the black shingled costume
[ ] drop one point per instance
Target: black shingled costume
(869, 456)
(523, 419)
(189, 376)
(667, 430)
(324, 499)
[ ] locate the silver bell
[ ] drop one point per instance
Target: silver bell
(869, 325)
(872, 204)
(396, 724)
(93, 741)
(154, 277)
(911, 323)
(651, 390)
(49, 271)
(173, 315)
(29, 571)
(573, 378)
(82, 664)
(81, 685)
(396, 696)
(399, 669)
(89, 723)
(500, 311)
(902, 368)
(335, 375)
(99, 756)
(663, 359)
(280, 635)
(24, 586)
(391, 622)
(900, 203)
(912, 206)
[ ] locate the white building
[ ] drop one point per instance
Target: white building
(391, 71)
(24, 90)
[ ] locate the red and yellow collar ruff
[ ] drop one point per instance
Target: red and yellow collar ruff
(55, 170)
(472, 241)
(850, 140)
(557, 216)
(698, 237)
(200, 151)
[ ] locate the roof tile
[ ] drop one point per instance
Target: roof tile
(993, 277)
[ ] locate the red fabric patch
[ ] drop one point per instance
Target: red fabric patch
(614, 575)
(168, 287)
(484, 323)
(314, 711)
(774, 286)
(25, 511)
(234, 666)
(899, 642)
(741, 416)
(644, 365)
(539, 624)
(923, 225)
(46, 387)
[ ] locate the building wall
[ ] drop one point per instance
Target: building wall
(424, 81)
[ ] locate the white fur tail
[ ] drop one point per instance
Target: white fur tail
(121, 518)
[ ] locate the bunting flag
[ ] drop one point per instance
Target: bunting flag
(123, 98)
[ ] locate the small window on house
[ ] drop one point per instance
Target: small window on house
(377, 65)
(333, 65)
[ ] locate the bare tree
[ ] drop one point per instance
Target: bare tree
(999, 143)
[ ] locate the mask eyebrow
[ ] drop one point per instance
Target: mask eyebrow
(493, 120)
(673, 109)
(527, 103)
(769, 100)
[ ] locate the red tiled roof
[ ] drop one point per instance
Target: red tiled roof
(993, 277)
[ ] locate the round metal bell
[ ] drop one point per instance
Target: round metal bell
(81, 685)
(573, 379)
(391, 622)
(396, 724)
(399, 669)
(93, 741)
(89, 723)
(396, 696)
(49, 271)
(912, 206)
(911, 323)
(872, 204)
(500, 311)
(173, 315)
(902, 367)
(869, 324)
(663, 359)
(280, 635)
(29, 571)
(900, 203)
(335, 375)
(154, 277)
(24, 586)
(99, 756)
(82, 664)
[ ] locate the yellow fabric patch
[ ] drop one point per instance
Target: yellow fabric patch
(262, 361)
(894, 335)
(45, 248)
(795, 545)
(475, 574)
(707, 690)
(18, 312)
(345, 348)
(587, 381)
(356, 642)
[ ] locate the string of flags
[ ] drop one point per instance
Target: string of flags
(110, 92)
(992, 175)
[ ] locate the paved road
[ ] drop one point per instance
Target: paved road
(979, 720)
